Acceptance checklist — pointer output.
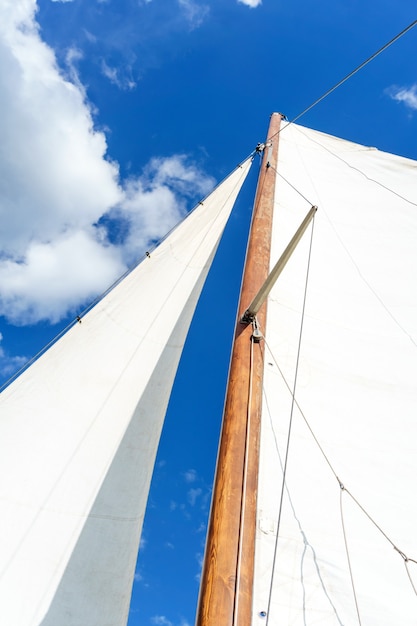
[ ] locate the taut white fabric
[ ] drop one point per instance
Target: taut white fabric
(79, 432)
(356, 387)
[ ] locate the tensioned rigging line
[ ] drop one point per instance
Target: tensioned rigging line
(293, 187)
(303, 534)
(343, 80)
(290, 426)
(343, 489)
(352, 582)
(326, 458)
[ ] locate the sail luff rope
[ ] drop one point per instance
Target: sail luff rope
(290, 426)
(110, 391)
(244, 481)
(348, 76)
(347, 554)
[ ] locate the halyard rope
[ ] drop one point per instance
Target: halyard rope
(342, 488)
(289, 428)
(343, 80)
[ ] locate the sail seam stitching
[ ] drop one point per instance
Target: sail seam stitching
(346, 249)
(356, 169)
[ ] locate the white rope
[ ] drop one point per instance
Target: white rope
(289, 428)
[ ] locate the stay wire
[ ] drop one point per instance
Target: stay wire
(348, 76)
(292, 186)
(302, 414)
(341, 485)
(348, 555)
(289, 429)
(409, 575)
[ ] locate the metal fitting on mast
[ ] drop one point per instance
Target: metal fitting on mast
(259, 299)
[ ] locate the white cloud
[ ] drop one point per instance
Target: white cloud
(161, 620)
(193, 494)
(72, 57)
(190, 476)
(406, 95)
(194, 13)
(9, 364)
(158, 187)
(123, 81)
(56, 276)
(57, 184)
(251, 3)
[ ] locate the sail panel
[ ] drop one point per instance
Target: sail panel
(80, 429)
(355, 395)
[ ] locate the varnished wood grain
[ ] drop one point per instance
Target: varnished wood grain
(224, 600)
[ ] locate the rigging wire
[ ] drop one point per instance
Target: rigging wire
(292, 186)
(307, 544)
(347, 554)
(347, 77)
(289, 427)
(342, 486)
(409, 574)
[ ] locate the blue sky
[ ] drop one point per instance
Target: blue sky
(116, 116)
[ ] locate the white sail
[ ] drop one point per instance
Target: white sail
(355, 408)
(79, 431)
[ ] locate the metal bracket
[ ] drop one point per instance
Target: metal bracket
(263, 293)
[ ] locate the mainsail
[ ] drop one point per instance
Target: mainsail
(335, 511)
(80, 429)
(336, 538)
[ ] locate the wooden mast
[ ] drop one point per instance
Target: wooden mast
(227, 577)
